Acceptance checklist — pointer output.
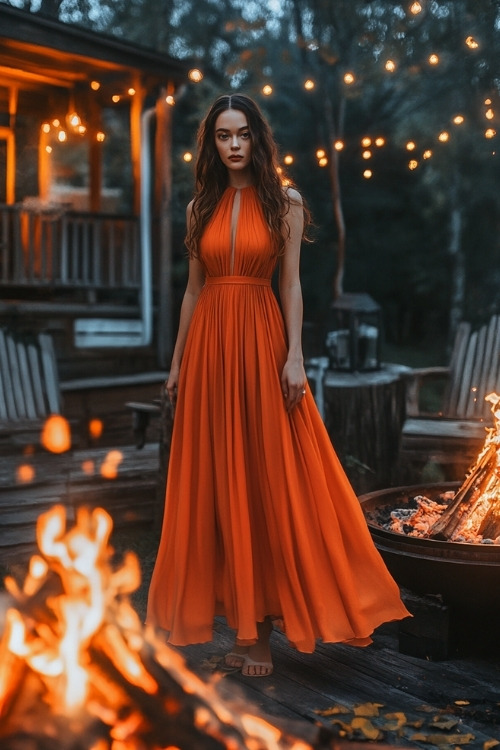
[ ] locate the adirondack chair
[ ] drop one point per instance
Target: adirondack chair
(452, 437)
(29, 386)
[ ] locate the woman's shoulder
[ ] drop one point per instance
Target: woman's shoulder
(293, 195)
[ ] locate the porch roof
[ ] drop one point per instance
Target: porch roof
(36, 52)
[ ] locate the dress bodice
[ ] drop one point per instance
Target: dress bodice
(237, 240)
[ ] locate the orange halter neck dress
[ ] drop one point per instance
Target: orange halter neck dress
(260, 518)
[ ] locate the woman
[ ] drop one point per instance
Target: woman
(260, 520)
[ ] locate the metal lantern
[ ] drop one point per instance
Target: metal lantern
(354, 339)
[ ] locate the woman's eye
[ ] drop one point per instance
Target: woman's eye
(222, 136)
(245, 135)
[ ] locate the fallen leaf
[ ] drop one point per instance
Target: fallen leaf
(443, 739)
(368, 709)
(489, 744)
(444, 723)
(462, 703)
(366, 727)
(394, 721)
(332, 711)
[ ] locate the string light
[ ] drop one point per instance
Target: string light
(349, 78)
(444, 136)
(367, 154)
(390, 66)
(490, 133)
(427, 154)
(367, 174)
(95, 85)
(489, 114)
(187, 156)
(115, 98)
(411, 146)
(195, 75)
(365, 142)
(433, 59)
(309, 84)
(380, 141)
(170, 100)
(471, 42)
(459, 119)
(323, 161)
(487, 102)
(46, 127)
(412, 164)
(62, 136)
(267, 90)
(100, 136)
(415, 8)
(320, 153)
(288, 159)
(338, 145)
(131, 91)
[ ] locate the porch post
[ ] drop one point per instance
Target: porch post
(163, 210)
(10, 184)
(95, 156)
(135, 141)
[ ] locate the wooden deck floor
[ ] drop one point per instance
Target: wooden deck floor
(422, 704)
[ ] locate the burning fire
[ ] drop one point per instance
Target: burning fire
(79, 671)
(472, 514)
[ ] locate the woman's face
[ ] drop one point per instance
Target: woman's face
(233, 140)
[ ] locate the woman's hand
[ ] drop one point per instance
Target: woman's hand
(171, 385)
(293, 383)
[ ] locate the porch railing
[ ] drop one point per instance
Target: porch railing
(52, 247)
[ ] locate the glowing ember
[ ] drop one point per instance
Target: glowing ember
(472, 514)
(79, 672)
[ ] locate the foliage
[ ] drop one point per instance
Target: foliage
(399, 242)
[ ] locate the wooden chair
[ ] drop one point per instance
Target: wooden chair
(452, 437)
(29, 385)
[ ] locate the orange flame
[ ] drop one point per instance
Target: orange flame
(56, 434)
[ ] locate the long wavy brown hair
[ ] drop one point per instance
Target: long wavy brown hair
(212, 176)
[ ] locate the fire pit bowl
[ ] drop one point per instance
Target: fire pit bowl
(466, 575)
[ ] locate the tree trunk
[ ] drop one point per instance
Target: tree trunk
(455, 249)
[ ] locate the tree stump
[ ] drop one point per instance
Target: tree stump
(364, 415)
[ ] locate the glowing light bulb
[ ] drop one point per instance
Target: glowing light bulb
(415, 8)
(349, 78)
(115, 98)
(368, 174)
(320, 153)
(309, 84)
(131, 91)
(380, 141)
(367, 154)
(458, 119)
(490, 133)
(100, 136)
(489, 114)
(187, 156)
(170, 100)
(323, 161)
(433, 59)
(412, 164)
(267, 90)
(365, 142)
(95, 85)
(61, 136)
(288, 159)
(195, 75)
(427, 154)
(444, 136)
(46, 127)
(338, 145)
(390, 66)
(471, 42)
(411, 146)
